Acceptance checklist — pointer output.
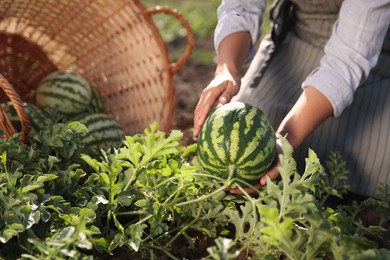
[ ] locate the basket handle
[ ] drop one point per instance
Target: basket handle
(17, 103)
(174, 67)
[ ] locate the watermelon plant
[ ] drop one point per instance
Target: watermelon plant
(236, 140)
(68, 92)
(96, 105)
(148, 198)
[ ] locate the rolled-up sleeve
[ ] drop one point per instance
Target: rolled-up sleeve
(236, 16)
(352, 51)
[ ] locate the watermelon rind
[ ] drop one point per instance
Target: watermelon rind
(66, 91)
(236, 140)
(96, 105)
(103, 131)
(37, 117)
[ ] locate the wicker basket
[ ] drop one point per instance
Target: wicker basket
(113, 43)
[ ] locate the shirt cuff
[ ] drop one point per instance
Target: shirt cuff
(335, 88)
(235, 21)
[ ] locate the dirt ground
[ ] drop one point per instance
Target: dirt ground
(189, 81)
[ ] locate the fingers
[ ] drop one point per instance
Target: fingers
(218, 90)
(256, 186)
(206, 102)
(273, 173)
(228, 94)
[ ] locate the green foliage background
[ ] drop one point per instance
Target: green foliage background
(200, 14)
(202, 17)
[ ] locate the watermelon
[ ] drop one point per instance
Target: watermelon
(67, 92)
(36, 116)
(237, 140)
(96, 105)
(103, 131)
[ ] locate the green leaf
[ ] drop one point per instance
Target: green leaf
(100, 244)
(93, 230)
(100, 199)
(38, 244)
(280, 233)
(45, 215)
(3, 158)
(142, 203)
(83, 241)
(135, 231)
(10, 232)
(119, 240)
(104, 178)
(132, 151)
(244, 220)
(36, 183)
(224, 249)
(66, 233)
(17, 227)
(125, 198)
(92, 162)
(76, 128)
(88, 214)
(189, 150)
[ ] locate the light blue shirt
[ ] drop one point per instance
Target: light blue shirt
(350, 53)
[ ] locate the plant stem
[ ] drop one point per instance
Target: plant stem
(131, 213)
(132, 178)
(204, 197)
(187, 175)
(181, 231)
(231, 168)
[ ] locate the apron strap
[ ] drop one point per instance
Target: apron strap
(282, 16)
(283, 20)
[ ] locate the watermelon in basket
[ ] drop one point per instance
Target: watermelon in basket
(115, 45)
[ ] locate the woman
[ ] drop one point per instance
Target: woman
(325, 87)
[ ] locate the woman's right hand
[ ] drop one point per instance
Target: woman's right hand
(221, 89)
(227, 79)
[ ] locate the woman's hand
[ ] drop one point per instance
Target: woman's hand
(232, 52)
(310, 111)
(221, 89)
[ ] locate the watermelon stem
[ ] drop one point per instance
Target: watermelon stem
(232, 169)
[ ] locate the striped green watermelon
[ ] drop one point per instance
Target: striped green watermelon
(103, 131)
(68, 92)
(36, 116)
(96, 105)
(237, 139)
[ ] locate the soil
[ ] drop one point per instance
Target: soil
(189, 82)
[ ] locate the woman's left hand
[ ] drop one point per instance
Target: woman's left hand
(311, 110)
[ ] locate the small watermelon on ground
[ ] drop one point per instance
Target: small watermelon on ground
(96, 105)
(68, 92)
(237, 139)
(103, 131)
(37, 117)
